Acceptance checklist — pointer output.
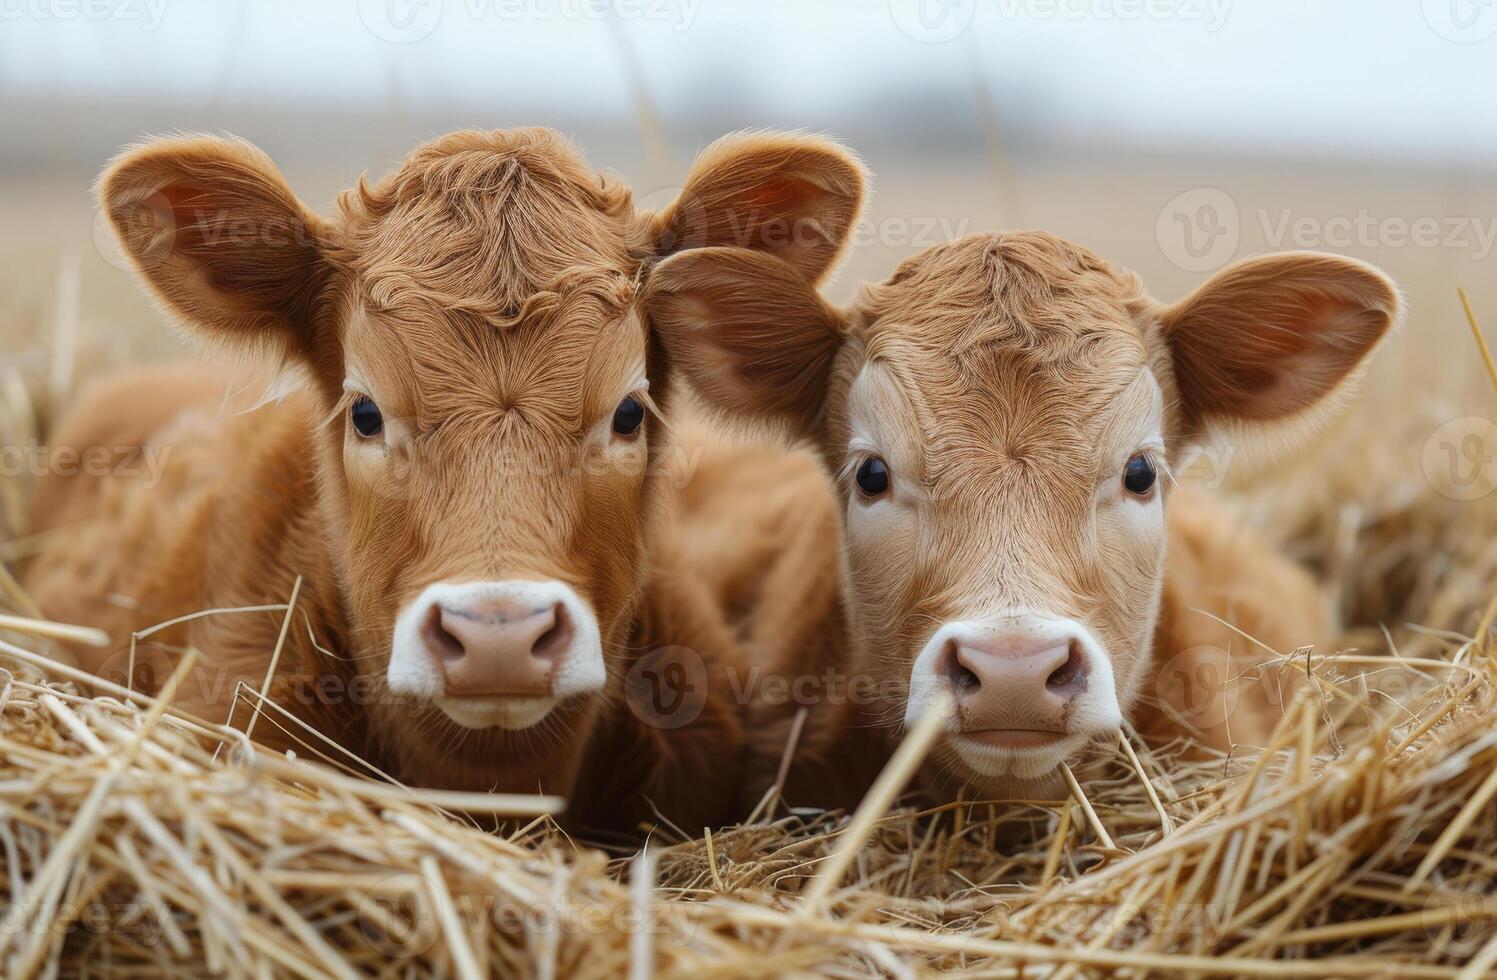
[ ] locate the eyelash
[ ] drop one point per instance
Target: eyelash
(1155, 456)
(855, 459)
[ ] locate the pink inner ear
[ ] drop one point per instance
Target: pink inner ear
(779, 213)
(1269, 341)
(195, 213)
(781, 196)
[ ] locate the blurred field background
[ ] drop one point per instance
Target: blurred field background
(1170, 138)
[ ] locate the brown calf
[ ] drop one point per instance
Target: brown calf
(1001, 417)
(472, 478)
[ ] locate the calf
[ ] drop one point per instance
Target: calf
(470, 477)
(1000, 419)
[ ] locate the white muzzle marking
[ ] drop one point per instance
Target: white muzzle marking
(1093, 710)
(417, 667)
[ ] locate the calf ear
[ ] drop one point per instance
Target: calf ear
(792, 195)
(751, 334)
(1269, 339)
(212, 226)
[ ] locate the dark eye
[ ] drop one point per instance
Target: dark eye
(1138, 475)
(628, 417)
(367, 421)
(873, 477)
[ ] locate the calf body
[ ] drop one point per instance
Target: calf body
(999, 418)
(473, 479)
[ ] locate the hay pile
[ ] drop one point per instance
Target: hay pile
(134, 841)
(1363, 843)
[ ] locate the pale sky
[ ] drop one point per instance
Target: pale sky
(1414, 79)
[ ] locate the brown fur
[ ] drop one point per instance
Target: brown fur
(486, 292)
(1007, 380)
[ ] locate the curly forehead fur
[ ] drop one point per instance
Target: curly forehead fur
(1033, 293)
(501, 224)
(1011, 348)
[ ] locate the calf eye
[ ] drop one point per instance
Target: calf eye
(1138, 475)
(367, 421)
(873, 477)
(628, 417)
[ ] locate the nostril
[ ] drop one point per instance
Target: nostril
(961, 679)
(1067, 679)
(555, 641)
(439, 639)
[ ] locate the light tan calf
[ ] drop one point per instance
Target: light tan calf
(1000, 417)
(473, 481)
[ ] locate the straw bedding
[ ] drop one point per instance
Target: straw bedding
(1362, 842)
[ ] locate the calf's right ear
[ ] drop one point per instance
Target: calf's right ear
(1277, 337)
(222, 240)
(751, 334)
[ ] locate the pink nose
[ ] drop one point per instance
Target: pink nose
(497, 645)
(1014, 683)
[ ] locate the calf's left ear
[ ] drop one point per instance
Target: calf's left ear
(761, 221)
(792, 195)
(1272, 338)
(212, 226)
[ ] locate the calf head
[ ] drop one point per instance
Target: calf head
(1001, 416)
(492, 389)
